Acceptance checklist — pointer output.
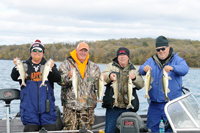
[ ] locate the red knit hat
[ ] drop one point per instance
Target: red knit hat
(37, 45)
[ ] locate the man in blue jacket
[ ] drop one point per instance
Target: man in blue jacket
(176, 67)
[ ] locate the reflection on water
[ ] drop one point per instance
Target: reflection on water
(189, 81)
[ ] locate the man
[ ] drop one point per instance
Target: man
(120, 69)
(176, 67)
(78, 96)
(32, 96)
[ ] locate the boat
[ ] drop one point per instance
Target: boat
(183, 116)
(15, 125)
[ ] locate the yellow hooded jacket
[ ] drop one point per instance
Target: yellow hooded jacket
(81, 66)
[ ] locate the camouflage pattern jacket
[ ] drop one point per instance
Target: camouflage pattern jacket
(122, 77)
(87, 86)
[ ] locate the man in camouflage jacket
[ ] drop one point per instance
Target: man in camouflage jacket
(78, 109)
(120, 69)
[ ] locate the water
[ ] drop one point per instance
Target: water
(191, 81)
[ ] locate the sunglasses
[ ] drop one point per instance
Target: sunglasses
(163, 49)
(35, 50)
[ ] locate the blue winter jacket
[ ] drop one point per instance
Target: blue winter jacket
(180, 68)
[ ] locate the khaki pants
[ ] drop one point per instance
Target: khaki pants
(75, 119)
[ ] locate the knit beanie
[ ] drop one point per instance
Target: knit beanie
(161, 41)
(122, 50)
(37, 45)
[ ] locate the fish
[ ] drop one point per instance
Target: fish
(101, 88)
(74, 80)
(45, 72)
(165, 88)
(115, 88)
(147, 82)
(130, 93)
(22, 73)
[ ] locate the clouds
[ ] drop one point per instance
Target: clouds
(23, 21)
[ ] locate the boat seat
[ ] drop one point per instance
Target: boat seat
(10, 94)
(130, 122)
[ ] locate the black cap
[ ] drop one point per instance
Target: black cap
(161, 41)
(122, 50)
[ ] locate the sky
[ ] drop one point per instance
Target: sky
(24, 21)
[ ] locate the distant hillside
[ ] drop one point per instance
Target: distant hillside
(103, 51)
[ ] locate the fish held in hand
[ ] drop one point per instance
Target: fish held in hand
(101, 88)
(22, 73)
(130, 93)
(115, 88)
(147, 83)
(165, 88)
(45, 72)
(74, 80)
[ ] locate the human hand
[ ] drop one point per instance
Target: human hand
(146, 68)
(113, 77)
(132, 76)
(168, 68)
(15, 61)
(52, 63)
(70, 73)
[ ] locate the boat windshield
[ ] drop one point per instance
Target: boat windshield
(183, 113)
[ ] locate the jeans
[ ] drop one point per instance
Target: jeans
(111, 117)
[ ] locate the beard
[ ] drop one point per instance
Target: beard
(37, 58)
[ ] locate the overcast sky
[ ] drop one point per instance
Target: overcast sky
(23, 21)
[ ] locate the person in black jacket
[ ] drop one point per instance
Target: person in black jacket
(37, 105)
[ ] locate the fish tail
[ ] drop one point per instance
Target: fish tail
(24, 84)
(130, 106)
(167, 99)
(115, 105)
(100, 101)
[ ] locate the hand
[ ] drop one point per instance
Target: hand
(146, 68)
(113, 77)
(52, 63)
(15, 61)
(168, 68)
(70, 73)
(132, 76)
(104, 76)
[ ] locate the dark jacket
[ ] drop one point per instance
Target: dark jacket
(122, 78)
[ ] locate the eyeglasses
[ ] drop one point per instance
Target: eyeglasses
(35, 50)
(163, 49)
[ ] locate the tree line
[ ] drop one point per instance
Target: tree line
(104, 51)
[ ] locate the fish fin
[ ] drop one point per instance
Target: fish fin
(168, 90)
(19, 77)
(132, 97)
(167, 98)
(152, 79)
(115, 105)
(99, 101)
(104, 83)
(103, 94)
(130, 106)
(169, 78)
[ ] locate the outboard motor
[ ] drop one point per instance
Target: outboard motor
(8, 95)
(130, 122)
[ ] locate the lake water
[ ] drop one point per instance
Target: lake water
(191, 81)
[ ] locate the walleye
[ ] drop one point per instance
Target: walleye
(147, 83)
(22, 73)
(165, 88)
(74, 80)
(130, 93)
(101, 88)
(45, 72)
(115, 88)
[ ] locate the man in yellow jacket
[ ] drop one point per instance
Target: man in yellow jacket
(79, 97)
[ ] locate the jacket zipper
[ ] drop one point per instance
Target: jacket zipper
(38, 98)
